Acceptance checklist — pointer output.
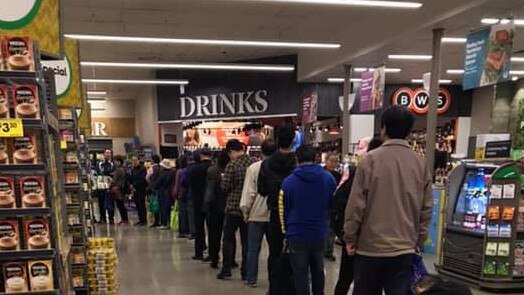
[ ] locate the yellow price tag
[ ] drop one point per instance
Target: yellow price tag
(11, 128)
(63, 145)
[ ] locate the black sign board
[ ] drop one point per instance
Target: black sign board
(498, 149)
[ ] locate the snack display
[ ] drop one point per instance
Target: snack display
(25, 149)
(4, 101)
(67, 136)
(26, 101)
(7, 193)
(32, 192)
(102, 263)
(9, 234)
(18, 53)
(15, 277)
(41, 275)
(37, 233)
(518, 269)
(71, 177)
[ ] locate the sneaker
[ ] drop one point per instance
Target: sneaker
(330, 257)
(164, 228)
(224, 275)
(190, 237)
(154, 225)
(251, 284)
(138, 224)
(214, 265)
(206, 259)
(181, 236)
(111, 222)
(196, 257)
(123, 222)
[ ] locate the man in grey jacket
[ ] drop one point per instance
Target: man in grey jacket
(389, 210)
(256, 214)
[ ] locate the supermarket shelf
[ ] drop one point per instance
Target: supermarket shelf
(26, 212)
(53, 122)
(23, 168)
(28, 254)
(75, 186)
(78, 264)
(54, 292)
(32, 123)
(18, 74)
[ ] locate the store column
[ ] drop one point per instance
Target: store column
(348, 69)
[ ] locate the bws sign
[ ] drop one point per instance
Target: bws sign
(418, 100)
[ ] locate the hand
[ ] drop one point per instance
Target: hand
(351, 249)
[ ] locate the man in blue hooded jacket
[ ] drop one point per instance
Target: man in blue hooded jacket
(304, 204)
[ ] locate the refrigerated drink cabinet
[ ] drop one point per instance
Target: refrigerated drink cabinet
(483, 235)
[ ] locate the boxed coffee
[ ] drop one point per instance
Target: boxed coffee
(41, 275)
(65, 114)
(18, 53)
(15, 277)
(7, 193)
(4, 151)
(26, 149)
(4, 101)
(37, 233)
(9, 234)
(32, 192)
(26, 102)
(71, 177)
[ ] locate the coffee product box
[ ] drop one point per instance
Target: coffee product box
(26, 102)
(15, 277)
(7, 193)
(41, 275)
(18, 53)
(4, 101)
(26, 149)
(37, 233)
(32, 192)
(9, 234)
(4, 151)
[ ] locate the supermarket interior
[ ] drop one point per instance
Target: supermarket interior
(97, 95)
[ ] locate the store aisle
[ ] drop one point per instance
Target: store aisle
(152, 262)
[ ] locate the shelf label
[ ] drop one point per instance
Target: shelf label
(11, 128)
(63, 145)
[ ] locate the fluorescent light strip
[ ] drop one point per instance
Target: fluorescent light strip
(514, 78)
(410, 56)
(454, 40)
(148, 82)
(94, 92)
(93, 99)
(387, 70)
(517, 59)
(342, 80)
(383, 4)
(102, 38)
(244, 67)
(96, 100)
(518, 73)
(492, 21)
(98, 109)
(443, 81)
(455, 72)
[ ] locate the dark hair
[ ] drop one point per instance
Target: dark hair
(181, 162)
(119, 158)
(268, 147)
(206, 152)
(374, 143)
(156, 159)
(285, 137)
(234, 145)
(398, 121)
(306, 154)
(222, 159)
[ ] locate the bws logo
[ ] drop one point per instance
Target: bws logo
(418, 100)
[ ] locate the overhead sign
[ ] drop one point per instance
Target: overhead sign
(309, 108)
(241, 103)
(63, 75)
(498, 149)
(38, 19)
(372, 89)
(418, 100)
(487, 58)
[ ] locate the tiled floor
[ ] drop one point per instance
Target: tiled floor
(152, 262)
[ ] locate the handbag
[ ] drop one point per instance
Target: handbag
(154, 204)
(174, 218)
(281, 280)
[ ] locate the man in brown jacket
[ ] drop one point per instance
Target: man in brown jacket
(389, 210)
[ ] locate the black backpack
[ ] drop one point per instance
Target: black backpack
(433, 285)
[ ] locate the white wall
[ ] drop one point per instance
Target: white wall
(146, 117)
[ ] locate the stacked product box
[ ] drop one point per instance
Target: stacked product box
(102, 266)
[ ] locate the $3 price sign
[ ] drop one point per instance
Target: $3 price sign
(11, 128)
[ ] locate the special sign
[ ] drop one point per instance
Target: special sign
(418, 100)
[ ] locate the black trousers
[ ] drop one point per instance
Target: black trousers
(231, 225)
(376, 274)
(140, 202)
(120, 204)
(215, 225)
(275, 240)
(346, 275)
(200, 231)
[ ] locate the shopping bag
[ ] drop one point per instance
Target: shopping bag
(419, 271)
(433, 285)
(281, 281)
(174, 218)
(154, 205)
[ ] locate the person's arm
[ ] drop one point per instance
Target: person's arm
(283, 207)
(228, 178)
(249, 192)
(427, 210)
(357, 203)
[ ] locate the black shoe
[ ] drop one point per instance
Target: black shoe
(101, 221)
(234, 264)
(330, 257)
(214, 265)
(154, 225)
(224, 275)
(191, 237)
(111, 222)
(206, 259)
(196, 257)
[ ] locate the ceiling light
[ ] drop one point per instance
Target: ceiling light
(455, 72)
(410, 56)
(384, 4)
(454, 40)
(92, 99)
(492, 21)
(517, 59)
(203, 41)
(341, 80)
(516, 73)
(98, 109)
(514, 78)
(443, 81)
(150, 82)
(244, 67)
(387, 70)
(98, 93)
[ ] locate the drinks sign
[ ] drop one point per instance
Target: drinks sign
(418, 100)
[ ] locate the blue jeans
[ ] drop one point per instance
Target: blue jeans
(305, 257)
(255, 233)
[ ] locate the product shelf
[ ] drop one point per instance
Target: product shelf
(28, 254)
(22, 212)
(54, 292)
(22, 168)
(18, 74)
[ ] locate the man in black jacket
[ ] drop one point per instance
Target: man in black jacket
(197, 182)
(272, 172)
(139, 183)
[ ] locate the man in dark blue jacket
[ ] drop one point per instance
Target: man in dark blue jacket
(304, 204)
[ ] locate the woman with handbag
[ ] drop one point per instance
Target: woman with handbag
(120, 188)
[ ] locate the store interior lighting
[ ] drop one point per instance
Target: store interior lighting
(95, 99)
(455, 71)
(193, 66)
(103, 38)
(518, 59)
(341, 80)
(514, 78)
(96, 93)
(369, 3)
(515, 72)
(454, 40)
(137, 82)
(410, 56)
(492, 21)
(442, 81)
(387, 70)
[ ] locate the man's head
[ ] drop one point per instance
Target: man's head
(107, 155)
(234, 148)
(206, 154)
(156, 159)
(397, 122)
(118, 160)
(268, 147)
(306, 155)
(135, 162)
(331, 161)
(285, 137)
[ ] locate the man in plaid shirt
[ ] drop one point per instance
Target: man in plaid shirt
(232, 184)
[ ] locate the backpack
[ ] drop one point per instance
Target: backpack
(433, 285)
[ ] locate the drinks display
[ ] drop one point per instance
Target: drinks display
(471, 206)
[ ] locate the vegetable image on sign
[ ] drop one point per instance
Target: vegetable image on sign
(418, 100)
(63, 74)
(17, 14)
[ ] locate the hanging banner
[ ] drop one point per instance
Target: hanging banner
(372, 89)
(309, 108)
(37, 19)
(488, 56)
